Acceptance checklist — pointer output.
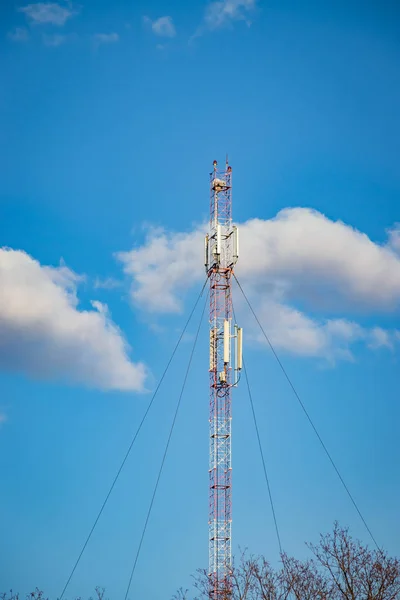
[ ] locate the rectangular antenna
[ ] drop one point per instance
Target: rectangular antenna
(235, 243)
(236, 353)
(206, 252)
(239, 348)
(218, 240)
(212, 349)
(227, 340)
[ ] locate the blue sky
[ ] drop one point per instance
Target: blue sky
(111, 114)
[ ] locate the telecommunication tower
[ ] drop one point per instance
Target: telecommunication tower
(221, 250)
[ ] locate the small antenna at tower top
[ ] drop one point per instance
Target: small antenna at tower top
(226, 161)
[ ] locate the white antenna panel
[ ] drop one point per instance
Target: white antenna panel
(235, 243)
(206, 252)
(227, 340)
(212, 349)
(218, 239)
(239, 348)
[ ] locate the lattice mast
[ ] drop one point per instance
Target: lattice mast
(221, 254)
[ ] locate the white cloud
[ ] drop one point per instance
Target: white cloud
(19, 34)
(163, 26)
(394, 238)
(107, 284)
(325, 263)
(45, 335)
(291, 330)
(163, 267)
(54, 40)
(298, 256)
(41, 13)
(105, 38)
(223, 12)
(380, 338)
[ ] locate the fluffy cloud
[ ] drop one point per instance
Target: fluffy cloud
(105, 38)
(291, 330)
(325, 263)
(298, 256)
(163, 26)
(41, 13)
(106, 284)
(394, 238)
(164, 266)
(223, 12)
(19, 34)
(54, 40)
(43, 334)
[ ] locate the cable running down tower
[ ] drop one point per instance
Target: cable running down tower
(221, 249)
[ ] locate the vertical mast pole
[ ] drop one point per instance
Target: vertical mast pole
(220, 256)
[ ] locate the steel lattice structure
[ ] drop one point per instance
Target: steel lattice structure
(221, 253)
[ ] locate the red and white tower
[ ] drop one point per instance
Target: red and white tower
(221, 254)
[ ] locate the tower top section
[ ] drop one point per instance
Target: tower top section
(220, 196)
(222, 242)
